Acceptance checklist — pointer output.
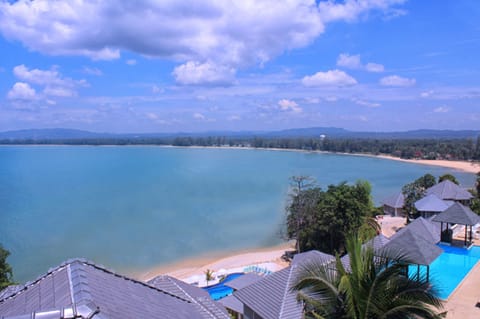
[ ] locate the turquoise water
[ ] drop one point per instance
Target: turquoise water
(449, 269)
(132, 208)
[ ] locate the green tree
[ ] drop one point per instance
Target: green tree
(477, 184)
(300, 209)
(415, 191)
(371, 289)
(449, 177)
(321, 219)
(6, 273)
(209, 275)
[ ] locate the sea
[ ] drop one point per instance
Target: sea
(132, 208)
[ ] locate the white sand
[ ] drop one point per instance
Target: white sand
(270, 257)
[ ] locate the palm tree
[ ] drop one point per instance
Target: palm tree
(372, 288)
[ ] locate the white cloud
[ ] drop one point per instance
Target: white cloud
(92, 71)
(329, 78)
(199, 116)
(312, 100)
(195, 73)
(442, 109)
(234, 118)
(354, 62)
(350, 10)
(52, 80)
(331, 99)
(156, 89)
(131, 62)
(21, 91)
(426, 94)
(234, 33)
(289, 105)
(349, 61)
(395, 80)
(374, 67)
(366, 103)
(151, 116)
(59, 91)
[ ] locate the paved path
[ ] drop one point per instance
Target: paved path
(461, 304)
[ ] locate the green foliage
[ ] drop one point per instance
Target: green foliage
(477, 184)
(208, 275)
(415, 191)
(449, 177)
(320, 219)
(6, 273)
(433, 148)
(371, 289)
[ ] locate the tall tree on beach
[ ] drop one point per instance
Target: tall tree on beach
(368, 290)
(319, 219)
(6, 273)
(302, 202)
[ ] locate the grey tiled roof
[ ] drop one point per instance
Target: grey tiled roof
(414, 248)
(458, 214)
(431, 203)
(271, 297)
(449, 190)
(231, 302)
(243, 281)
(80, 289)
(421, 228)
(199, 297)
(395, 201)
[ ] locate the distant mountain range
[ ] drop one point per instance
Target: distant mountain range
(331, 132)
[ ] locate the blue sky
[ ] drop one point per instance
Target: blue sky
(148, 66)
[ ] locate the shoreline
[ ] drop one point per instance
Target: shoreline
(226, 260)
(464, 166)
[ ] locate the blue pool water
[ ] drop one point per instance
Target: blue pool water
(218, 291)
(449, 269)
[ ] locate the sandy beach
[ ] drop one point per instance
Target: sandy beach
(465, 166)
(469, 167)
(222, 261)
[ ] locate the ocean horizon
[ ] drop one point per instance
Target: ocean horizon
(138, 207)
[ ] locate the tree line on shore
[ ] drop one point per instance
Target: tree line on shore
(465, 149)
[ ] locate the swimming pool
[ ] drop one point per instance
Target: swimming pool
(449, 269)
(218, 291)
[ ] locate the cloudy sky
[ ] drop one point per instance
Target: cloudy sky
(168, 66)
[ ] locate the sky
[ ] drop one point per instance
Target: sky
(214, 65)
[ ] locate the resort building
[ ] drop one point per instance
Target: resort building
(448, 190)
(393, 205)
(271, 297)
(80, 289)
(431, 205)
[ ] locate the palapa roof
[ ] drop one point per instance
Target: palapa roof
(431, 203)
(458, 214)
(81, 289)
(449, 190)
(395, 201)
(412, 248)
(198, 296)
(421, 228)
(243, 281)
(271, 297)
(231, 302)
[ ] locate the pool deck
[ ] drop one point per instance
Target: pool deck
(461, 303)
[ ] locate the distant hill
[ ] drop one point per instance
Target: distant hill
(331, 132)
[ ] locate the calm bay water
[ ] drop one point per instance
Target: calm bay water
(138, 207)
